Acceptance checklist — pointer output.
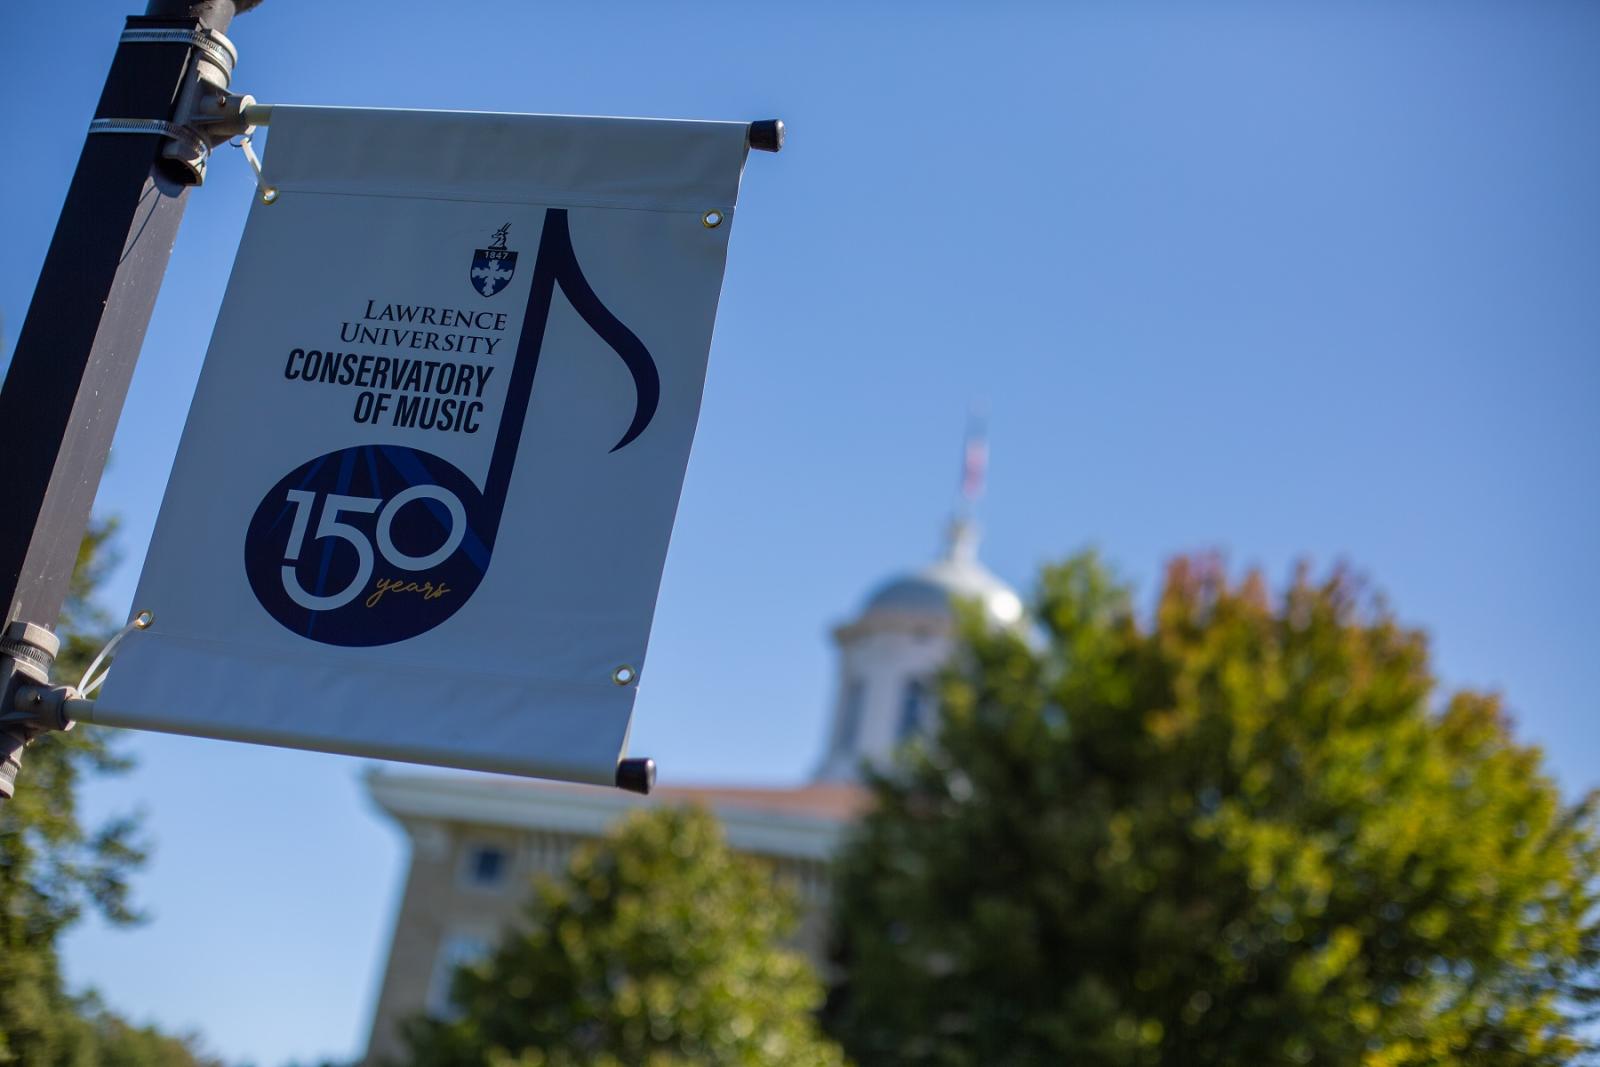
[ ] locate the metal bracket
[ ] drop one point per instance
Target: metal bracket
(45, 705)
(29, 705)
(206, 114)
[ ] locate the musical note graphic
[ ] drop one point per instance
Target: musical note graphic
(374, 544)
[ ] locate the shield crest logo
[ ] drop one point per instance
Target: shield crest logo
(492, 267)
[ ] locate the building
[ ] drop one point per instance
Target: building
(477, 840)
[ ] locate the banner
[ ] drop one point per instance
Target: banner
(422, 502)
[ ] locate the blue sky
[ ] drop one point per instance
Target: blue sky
(1280, 279)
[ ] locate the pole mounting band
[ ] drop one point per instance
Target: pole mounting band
(25, 651)
(216, 47)
(182, 134)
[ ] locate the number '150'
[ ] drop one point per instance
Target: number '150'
(329, 525)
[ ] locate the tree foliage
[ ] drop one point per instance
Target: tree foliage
(658, 948)
(53, 868)
(1244, 830)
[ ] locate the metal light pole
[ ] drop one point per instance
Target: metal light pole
(164, 105)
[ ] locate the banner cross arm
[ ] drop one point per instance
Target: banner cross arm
(764, 135)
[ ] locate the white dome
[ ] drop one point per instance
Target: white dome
(931, 591)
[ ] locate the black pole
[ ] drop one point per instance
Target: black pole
(76, 351)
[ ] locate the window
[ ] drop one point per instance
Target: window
(911, 708)
(855, 697)
(484, 866)
(459, 949)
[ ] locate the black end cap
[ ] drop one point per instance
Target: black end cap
(637, 775)
(767, 135)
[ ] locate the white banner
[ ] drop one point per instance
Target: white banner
(423, 498)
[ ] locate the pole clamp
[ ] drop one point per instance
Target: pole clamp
(27, 704)
(206, 115)
(217, 48)
(192, 144)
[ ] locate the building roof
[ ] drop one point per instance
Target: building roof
(804, 822)
(842, 801)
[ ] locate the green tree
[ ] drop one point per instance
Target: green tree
(1243, 831)
(53, 867)
(658, 947)
(115, 1042)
